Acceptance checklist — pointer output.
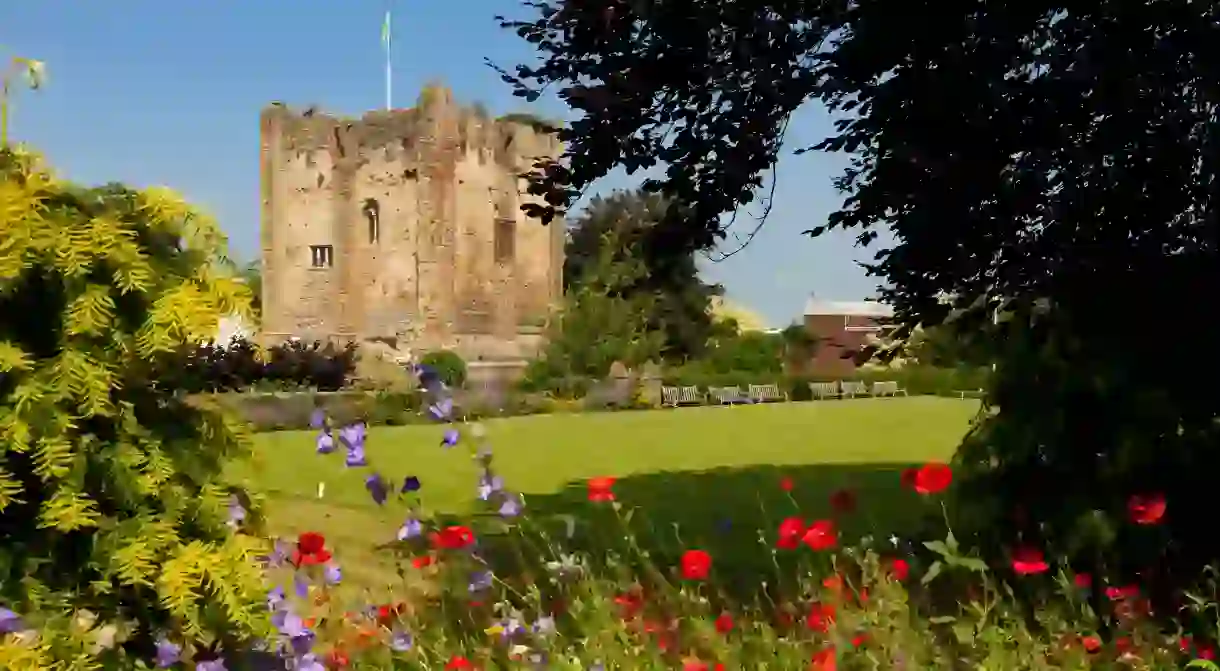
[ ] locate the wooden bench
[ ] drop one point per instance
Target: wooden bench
(676, 396)
(766, 393)
(728, 395)
(853, 388)
(887, 388)
(824, 390)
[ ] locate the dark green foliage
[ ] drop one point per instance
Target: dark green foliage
(449, 366)
(1054, 162)
(238, 366)
(623, 219)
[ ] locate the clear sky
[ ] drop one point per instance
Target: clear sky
(155, 92)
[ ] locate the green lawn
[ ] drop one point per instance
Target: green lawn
(706, 477)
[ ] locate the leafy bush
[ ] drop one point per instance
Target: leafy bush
(113, 499)
(240, 365)
(449, 366)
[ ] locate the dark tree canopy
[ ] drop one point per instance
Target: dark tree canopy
(1048, 172)
(681, 302)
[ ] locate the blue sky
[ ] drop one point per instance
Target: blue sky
(169, 93)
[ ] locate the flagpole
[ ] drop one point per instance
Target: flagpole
(386, 42)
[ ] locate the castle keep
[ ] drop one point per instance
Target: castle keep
(405, 224)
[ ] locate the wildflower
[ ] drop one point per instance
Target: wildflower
(933, 478)
(600, 489)
(1118, 593)
(309, 662)
(899, 569)
(480, 581)
(824, 660)
(1028, 561)
(410, 529)
(1146, 509)
(325, 442)
(237, 513)
(908, 477)
(724, 623)
(630, 604)
(442, 409)
(450, 438)
(211, 665)
(821, 535)
(355, 457)
(843, 501)
(510, 506)
(1090, 644)
(333, 575)
(696, 564)
(168, 654)
(454, 538)
(820, 617)
(859, 640)
(488, 485)
(458, 662)
(1082, 580)
(277, 556)
(337, 659)
(311, 550)
(422, 561)
(786, 484)
(10, 622)
(411, 484)
(352, 435)
(543, 625)
(275, 598)
(317, 418)
(377, 487)
(300, 585)
(790, 532)
(401, 641)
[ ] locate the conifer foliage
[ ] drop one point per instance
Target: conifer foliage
(114, 511)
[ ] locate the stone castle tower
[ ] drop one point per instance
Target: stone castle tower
(406, 224)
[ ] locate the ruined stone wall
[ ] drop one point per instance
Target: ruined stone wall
(421, 211)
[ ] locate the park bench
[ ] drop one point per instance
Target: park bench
(676, 396)
(887, 388)
(824, 390)
(969, 393)
(766, 393)
(728, 395)
(853, 388)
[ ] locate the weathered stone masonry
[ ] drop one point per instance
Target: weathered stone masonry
(403, 222)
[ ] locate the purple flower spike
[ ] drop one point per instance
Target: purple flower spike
(353, 435)
(167, 654)
(488, 485)
(410, 529)
(378, 488)
(451, 438)
(511, 507)
(326, 443)
(401, 641)
(333, 575)
(211, 665)
(309, 662)
(355, 457)
(10, 622)
(411, 484)
(442, 409)
(317, 418)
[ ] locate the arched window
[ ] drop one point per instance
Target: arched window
(372, 214)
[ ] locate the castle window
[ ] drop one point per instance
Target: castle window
(505, 239)
(322, 256)
(372, 214)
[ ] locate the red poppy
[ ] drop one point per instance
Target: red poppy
(790, 532)
(1146, 509)
(1122, 645)
(908, 477)
(821, 535)
(453, 538)
(824, 660)
(1115, 593)
(388, 613)
(1083, 580)
(421, 561)
(1207, 652)
(833, 583)
(696, 564)
(785, 483)
(899, 568)
(1028, 561)
(601, 489)
(859, 640)
(1090, 644)
(457, 662)
(843, 501)
(631, 604)
(724, 623)
(821, 616)
(311, 550)
(933, 478)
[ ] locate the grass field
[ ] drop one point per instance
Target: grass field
(707, 477)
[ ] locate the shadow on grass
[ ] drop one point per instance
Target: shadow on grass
(733, 514)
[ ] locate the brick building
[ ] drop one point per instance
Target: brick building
(842, 328)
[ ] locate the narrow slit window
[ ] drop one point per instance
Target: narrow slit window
(372, 216)
(505, 239)
(322, 256)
